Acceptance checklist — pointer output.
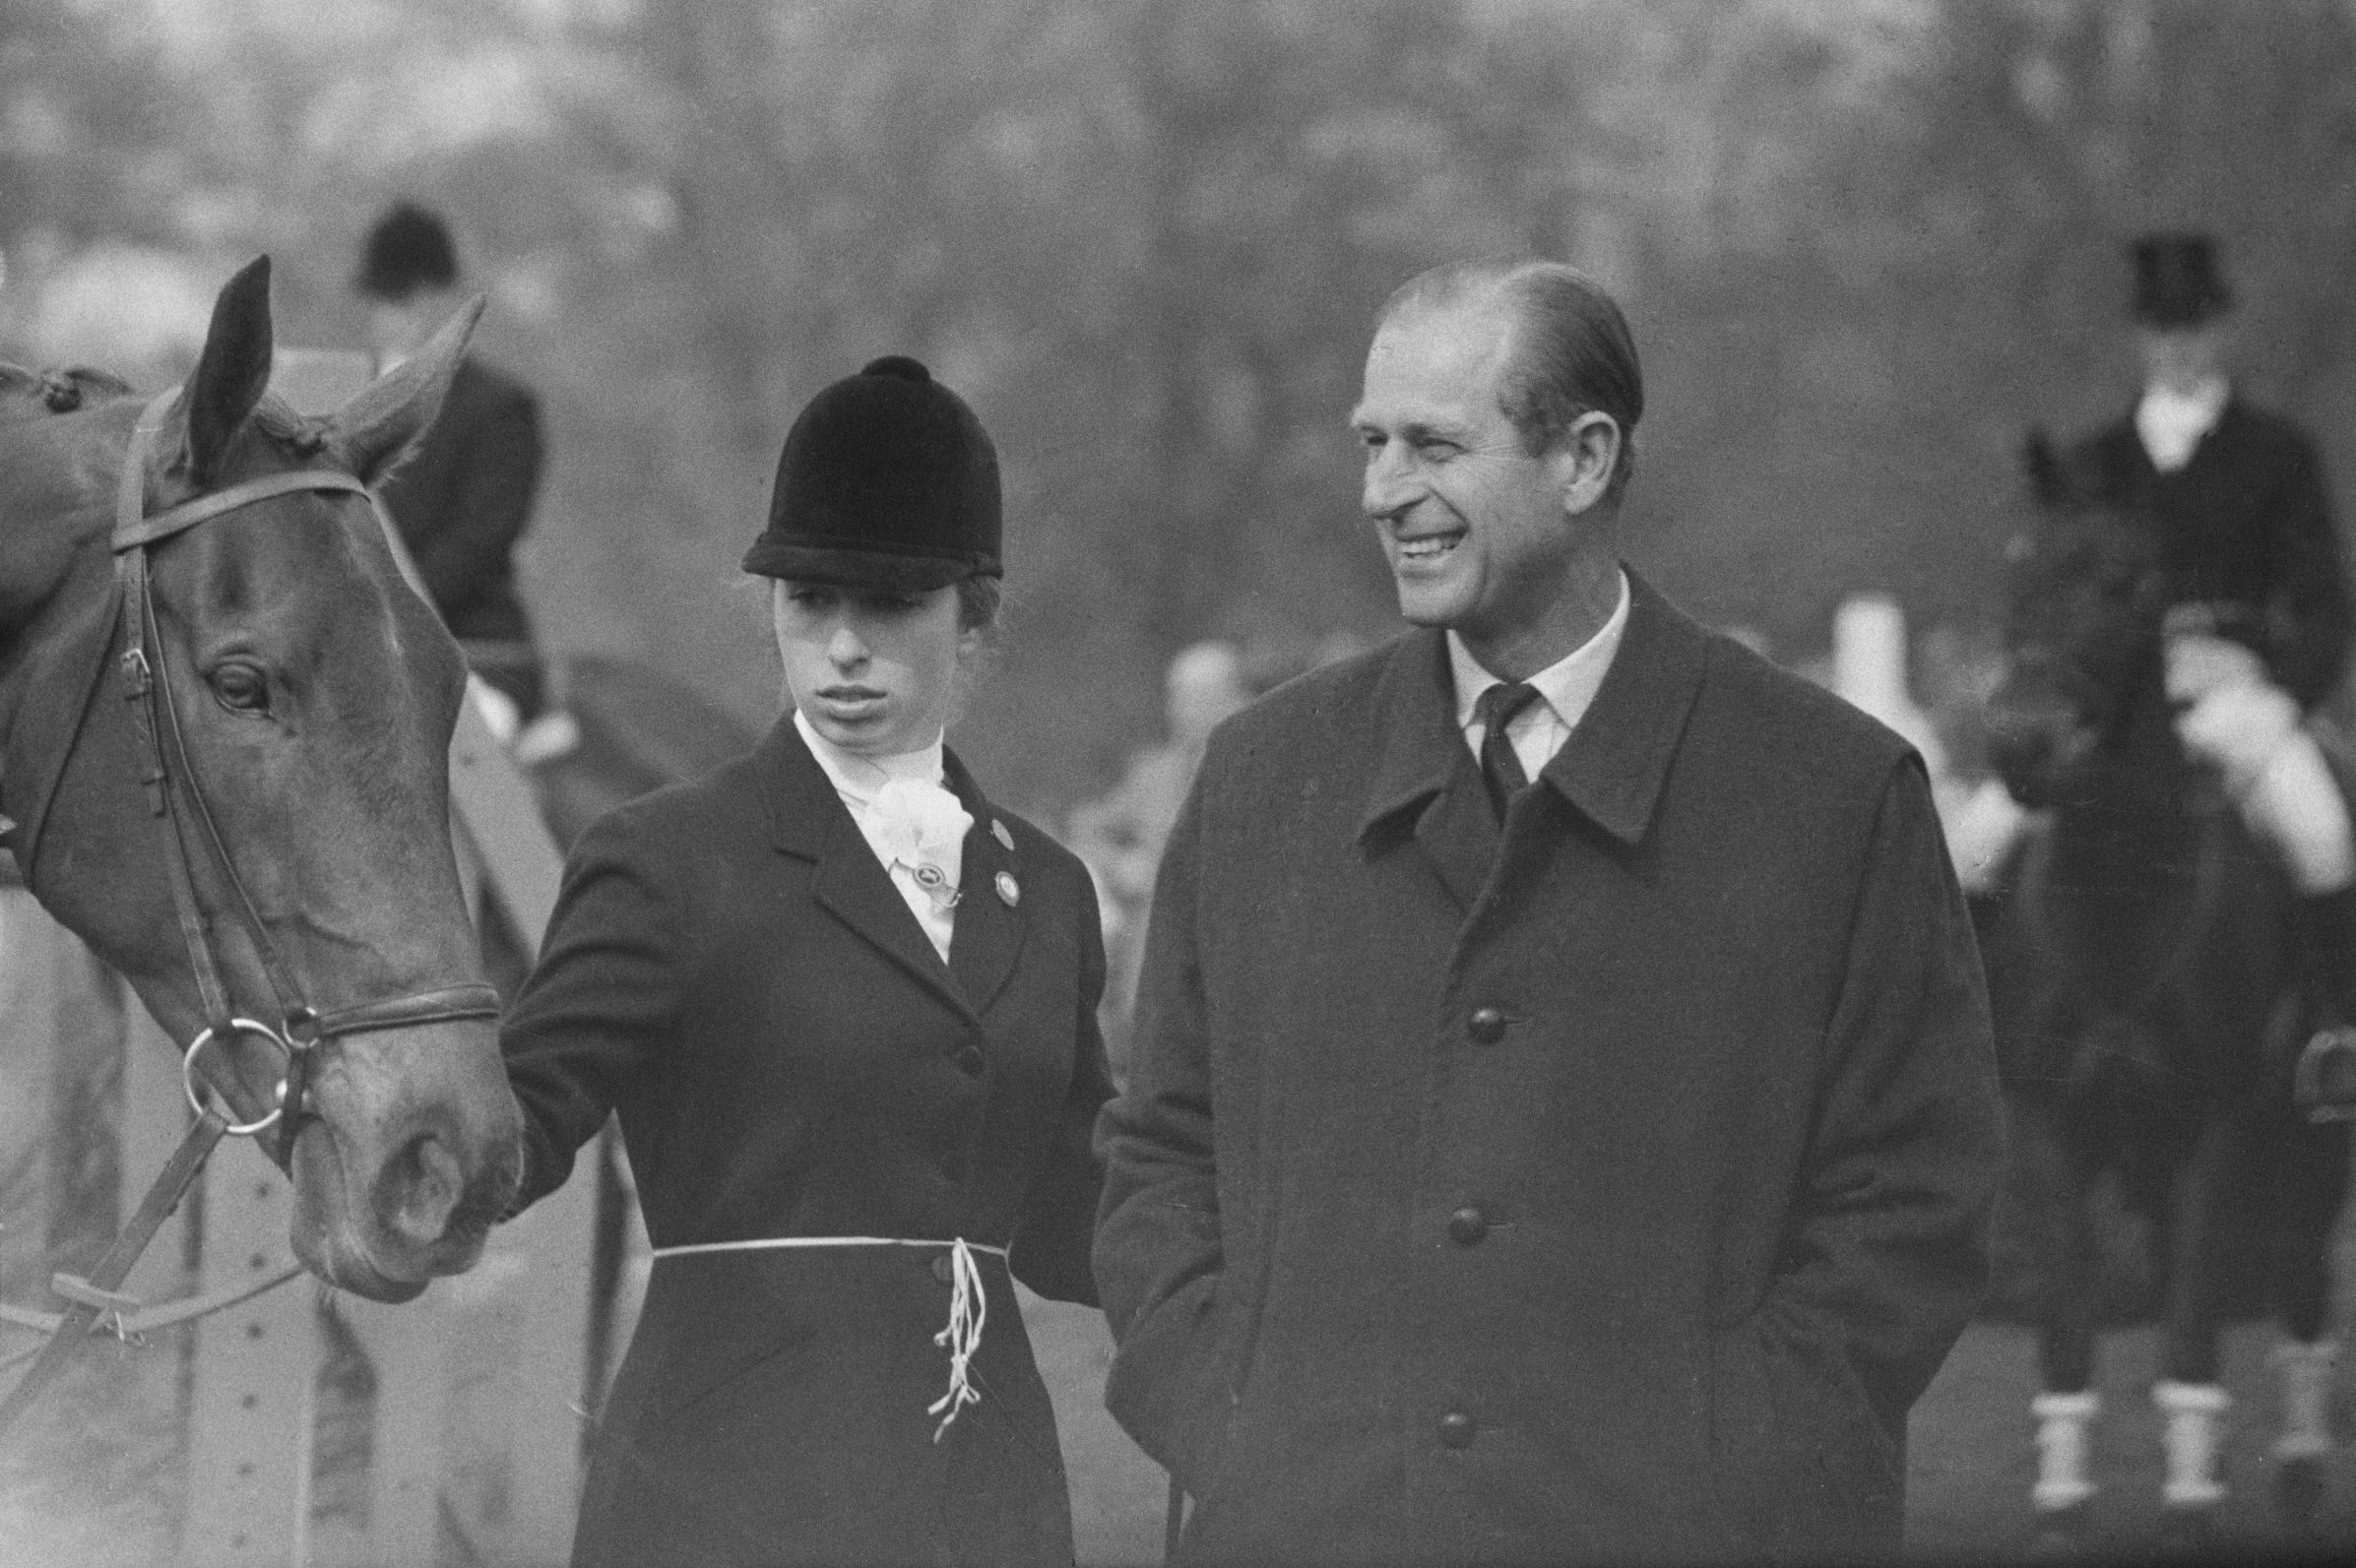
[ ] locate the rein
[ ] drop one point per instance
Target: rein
(175, 800)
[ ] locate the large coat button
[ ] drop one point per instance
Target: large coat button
(1467, 1225)
(1487, 1026)
(1456, 1429)
(969, 1061)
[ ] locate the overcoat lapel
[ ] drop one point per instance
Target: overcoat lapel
(1424, 764)
(1612, 769)
(808, 819)
(1616, 762)
(987, 937)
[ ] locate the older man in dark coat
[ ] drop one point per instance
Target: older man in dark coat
(1588, 1169)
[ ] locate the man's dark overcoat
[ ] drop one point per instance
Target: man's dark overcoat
(462, 499)
(1607, 1198)
(732, 969)
(2244, 527)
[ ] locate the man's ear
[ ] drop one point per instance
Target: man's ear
(1588, 455)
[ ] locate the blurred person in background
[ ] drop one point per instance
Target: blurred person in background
(462, 499)
(847, 1011)
(1119, 834)
(2260, 619)
(1563, 1119)
(2258, 635)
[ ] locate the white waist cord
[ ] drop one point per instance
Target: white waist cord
(969, 1302)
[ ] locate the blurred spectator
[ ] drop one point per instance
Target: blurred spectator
(1119, 834)
(463, 498)
(137, 311)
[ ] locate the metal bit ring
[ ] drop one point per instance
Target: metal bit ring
(196, 1096)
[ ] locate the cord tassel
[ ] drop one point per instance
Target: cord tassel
(969, 1309)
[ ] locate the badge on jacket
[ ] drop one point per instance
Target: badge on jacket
(1008, 892)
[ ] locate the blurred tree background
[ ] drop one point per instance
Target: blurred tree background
(1864, 244)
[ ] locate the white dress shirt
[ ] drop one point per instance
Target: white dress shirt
(2171, 424)
(1565, 688)
(910, 819)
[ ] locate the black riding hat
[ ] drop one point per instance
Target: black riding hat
(2177, 282)
(410, 249)
(887, 482)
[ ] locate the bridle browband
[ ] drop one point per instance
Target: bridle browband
(174, 797)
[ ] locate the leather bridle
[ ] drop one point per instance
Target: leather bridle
(178, 804)
(177, 799)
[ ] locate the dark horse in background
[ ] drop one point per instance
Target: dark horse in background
(297, 794)
(2140, 965)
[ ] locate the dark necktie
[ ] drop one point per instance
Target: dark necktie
(1501, 769)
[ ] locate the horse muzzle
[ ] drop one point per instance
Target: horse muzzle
(394, 1187)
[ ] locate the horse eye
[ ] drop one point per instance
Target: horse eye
(241, 688)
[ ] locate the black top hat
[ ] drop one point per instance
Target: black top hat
(887, 482)
(2177, 282)
(410, 249)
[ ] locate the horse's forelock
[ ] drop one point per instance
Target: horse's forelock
(304, 435)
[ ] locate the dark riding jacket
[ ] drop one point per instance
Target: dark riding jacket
(1603, 1192)
(731, 969)
(462, 499)
(2244, 527)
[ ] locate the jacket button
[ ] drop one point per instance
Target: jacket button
(1467, 1225)
(944, 1270)
(1487, 1027)
(1456, 1429)
(969, 1061)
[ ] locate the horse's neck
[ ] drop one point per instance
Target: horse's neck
(56, 498)
(2125, 841)
(55, 577)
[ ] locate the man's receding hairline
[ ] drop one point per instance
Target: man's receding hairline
(1486, 296)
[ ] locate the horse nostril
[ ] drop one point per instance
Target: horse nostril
(421, 1184)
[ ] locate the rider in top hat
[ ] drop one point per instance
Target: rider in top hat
(2259, 622)
(463, 498)
(846, 1007)
(2258, 633)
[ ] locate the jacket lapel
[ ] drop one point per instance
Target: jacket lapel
(1426, 769)
(809, 820)
(987, 937)
(1616, 763)
(1612, 769)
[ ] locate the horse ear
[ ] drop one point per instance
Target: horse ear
(374, 428)
(232, 372)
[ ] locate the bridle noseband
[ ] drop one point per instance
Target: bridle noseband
(174, 797)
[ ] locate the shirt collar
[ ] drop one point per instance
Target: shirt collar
(2198, 408)
(1567, 686)
(858, 777)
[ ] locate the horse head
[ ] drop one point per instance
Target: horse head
(2084, 605)
(283, 826)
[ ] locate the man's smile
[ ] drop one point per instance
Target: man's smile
(1428, 547)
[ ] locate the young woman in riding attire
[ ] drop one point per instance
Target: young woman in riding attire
(845, 1008)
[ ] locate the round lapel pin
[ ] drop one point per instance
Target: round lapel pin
(1008, 892)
